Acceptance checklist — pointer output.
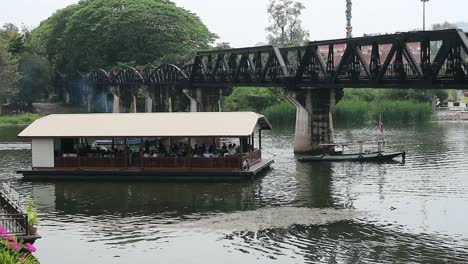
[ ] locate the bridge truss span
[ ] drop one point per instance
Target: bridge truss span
(425, 59)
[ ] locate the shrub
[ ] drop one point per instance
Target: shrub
(14, 252)
(282, 113)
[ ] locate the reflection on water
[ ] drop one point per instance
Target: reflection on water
(8, 133)
(140, 199)
(412, 212)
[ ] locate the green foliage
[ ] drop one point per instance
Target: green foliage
(8, 65)
(30, 208)
(252, 99)
(14, 252)
(360, 106)
(283, 113)
(101, 33)
(19, 119)
(356, 112)
(268, 101)
(352, 111)
(35, 77)
(12, 256)
(286, 27)
(371, 95)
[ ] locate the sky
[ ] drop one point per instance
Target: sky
(242, 23)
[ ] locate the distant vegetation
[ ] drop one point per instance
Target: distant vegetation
(24, 119)
(271, 102)
(361, 106)
(358, 107)
(358, 112)
(95, 34)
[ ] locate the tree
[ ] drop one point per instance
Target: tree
(444, 25)
(34, 84)
(102, 33)
(8, 67)
(286, 27)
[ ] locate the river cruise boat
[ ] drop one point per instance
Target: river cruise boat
(141, 146)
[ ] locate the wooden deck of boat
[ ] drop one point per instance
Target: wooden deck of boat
(138, 174)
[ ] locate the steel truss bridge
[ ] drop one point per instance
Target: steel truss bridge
(424, 59)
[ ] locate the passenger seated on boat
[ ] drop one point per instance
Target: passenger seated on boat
(224, 149)
(161, 148)
(212, 148)
(246, 164)
(202, 149)
(207, 154)
(232, 150)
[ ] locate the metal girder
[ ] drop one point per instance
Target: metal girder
(406, 62)
(166, 74)
(127, 76)
(407, 58)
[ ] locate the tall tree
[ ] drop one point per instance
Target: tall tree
(8, 67)
(286, 27)
(103, 33)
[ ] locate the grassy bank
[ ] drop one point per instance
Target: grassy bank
(359, 112)
(283, 113)
(358, 107)
(23, 119)
(355, 112)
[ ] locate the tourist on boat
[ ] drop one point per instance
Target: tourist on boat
(208, 154)
(162, 148)
(224, 149)
(202, 149)
(246, 165)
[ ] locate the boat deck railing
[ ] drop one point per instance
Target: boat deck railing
(229, 162)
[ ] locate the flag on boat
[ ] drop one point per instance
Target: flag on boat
(380, 123)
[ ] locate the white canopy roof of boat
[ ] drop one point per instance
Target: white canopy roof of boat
(209, 124)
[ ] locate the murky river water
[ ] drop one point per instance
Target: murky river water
(404, 212)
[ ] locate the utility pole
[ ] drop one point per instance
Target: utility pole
(349, 16)
(430, 97)
(424, 13)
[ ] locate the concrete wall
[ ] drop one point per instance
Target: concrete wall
(42, 152)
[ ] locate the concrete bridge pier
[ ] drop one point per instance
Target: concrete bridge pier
(167, 100)
(116, 104)
(133, 106)
(67, 97)
(148, 104)
(204, 100)
(314, 123)
(89, 102)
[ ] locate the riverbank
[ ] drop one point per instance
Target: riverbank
(23, 119)
(452, 115)
(40, 110)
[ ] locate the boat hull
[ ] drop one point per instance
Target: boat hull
(376, 156)
(254, 171)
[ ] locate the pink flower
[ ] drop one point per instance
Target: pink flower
(8, 237)
(15, 245)
(22, 259)
(30, 247)
(2, 230)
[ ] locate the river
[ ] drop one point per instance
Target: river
(369, 212)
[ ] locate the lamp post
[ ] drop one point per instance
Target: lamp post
(424, 13)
